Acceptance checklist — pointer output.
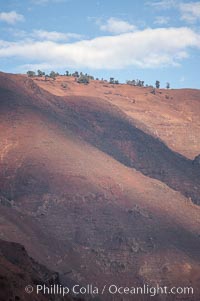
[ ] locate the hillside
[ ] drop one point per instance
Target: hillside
(171, 115)
(17, 270)
(106, 173)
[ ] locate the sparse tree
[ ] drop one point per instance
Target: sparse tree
(157, 84)
(140, 83)
(168, 85)
(40, 73)
(83, 79)
(112, 80)
(67, 73)
(131, 82)
(52, 75)
(30, 73)
(75, 74)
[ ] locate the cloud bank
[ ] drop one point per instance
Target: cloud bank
(149, 48)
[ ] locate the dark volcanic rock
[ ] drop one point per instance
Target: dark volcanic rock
(17, 270)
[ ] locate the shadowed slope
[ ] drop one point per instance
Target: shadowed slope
(18, 270)
(107, 128)
(170, 114)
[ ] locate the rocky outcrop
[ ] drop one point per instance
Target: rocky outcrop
(18, 270)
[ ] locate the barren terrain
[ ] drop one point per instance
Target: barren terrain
(99, 183)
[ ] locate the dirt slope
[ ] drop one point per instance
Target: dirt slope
(68, 176)
(171, 115)
(108, 128)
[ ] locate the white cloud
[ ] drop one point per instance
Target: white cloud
(54, 35)
(43, 35)
(163, 4)
(11, 17)
(190, 11)
(117, 26)
(149, 48)
(161, 20)
(43, 2)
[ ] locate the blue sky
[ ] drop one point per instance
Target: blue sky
(148, 40)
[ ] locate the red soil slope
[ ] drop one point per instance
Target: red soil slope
(92, 195)
(171, 115)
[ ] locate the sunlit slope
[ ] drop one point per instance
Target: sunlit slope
(172, 115)
(109, 129)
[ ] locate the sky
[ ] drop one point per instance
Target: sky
(146, 40)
